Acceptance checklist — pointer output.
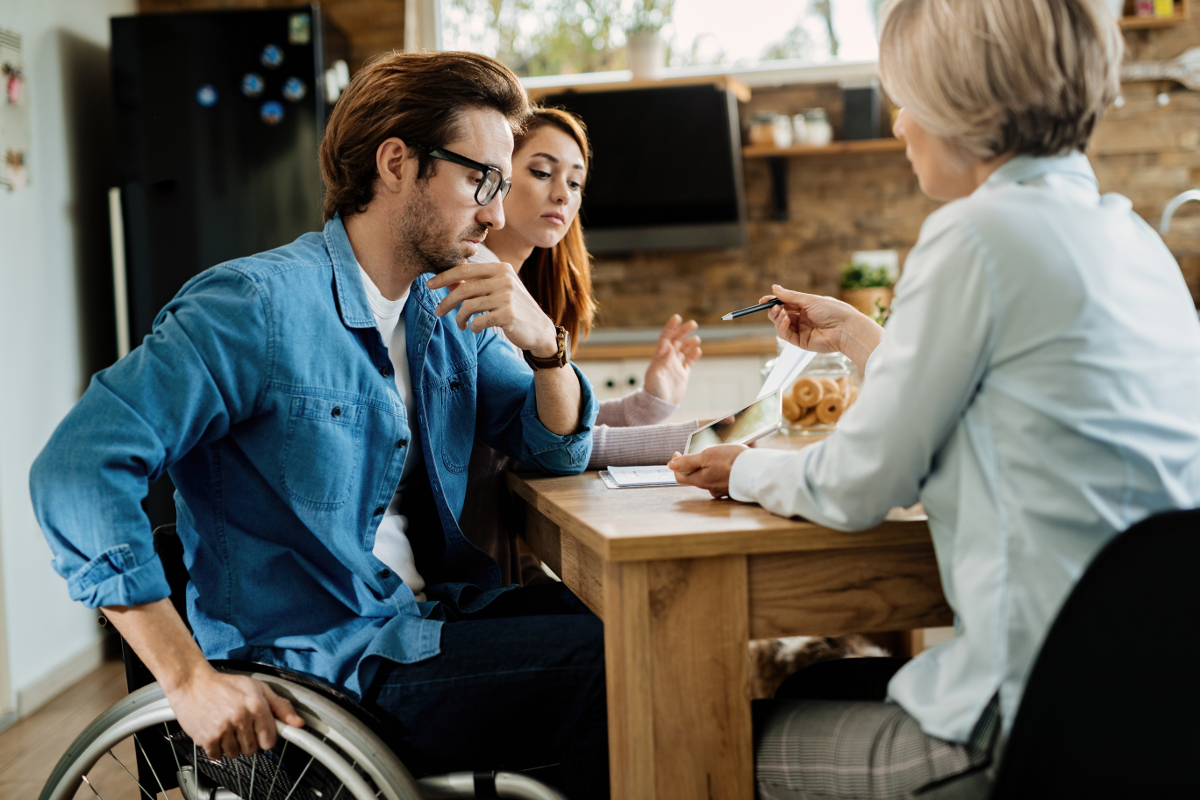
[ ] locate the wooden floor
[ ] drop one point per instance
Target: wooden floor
(30, 748)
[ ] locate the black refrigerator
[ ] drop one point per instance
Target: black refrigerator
(219, 116)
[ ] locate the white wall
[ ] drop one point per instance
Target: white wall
(52, 312)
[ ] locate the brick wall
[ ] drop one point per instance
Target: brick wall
(1150, 153)
(843, 203)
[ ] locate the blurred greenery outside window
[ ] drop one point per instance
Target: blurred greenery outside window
(565, 37)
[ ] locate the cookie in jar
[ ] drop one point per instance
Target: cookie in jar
(821, 395)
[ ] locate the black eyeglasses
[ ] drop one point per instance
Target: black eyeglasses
(490, 185)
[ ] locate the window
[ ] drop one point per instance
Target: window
(557, 37)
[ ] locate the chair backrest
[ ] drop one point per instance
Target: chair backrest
(1112, 705)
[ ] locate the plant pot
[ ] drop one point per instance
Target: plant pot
(864, 299)
(646, 54)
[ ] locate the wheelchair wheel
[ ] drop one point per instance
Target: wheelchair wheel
(334, 757)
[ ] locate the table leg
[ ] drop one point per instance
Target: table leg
(675, 635)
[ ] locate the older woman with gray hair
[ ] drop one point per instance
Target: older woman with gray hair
(1036, 388)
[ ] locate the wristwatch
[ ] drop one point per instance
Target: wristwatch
(559, 359)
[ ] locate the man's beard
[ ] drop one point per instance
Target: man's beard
(422, 238)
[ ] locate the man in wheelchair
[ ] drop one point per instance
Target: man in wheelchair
(315, 406)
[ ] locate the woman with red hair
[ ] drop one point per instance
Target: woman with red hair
(542, 239)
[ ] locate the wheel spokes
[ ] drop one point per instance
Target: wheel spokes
(303, 772)
(278, 767)
(89, 785)
(138, 743)
(295, 781)
(132, 777)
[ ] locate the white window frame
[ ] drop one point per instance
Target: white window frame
(422, 25)
(788, 72)
(423, 31)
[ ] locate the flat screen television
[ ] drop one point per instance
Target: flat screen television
(666, 170)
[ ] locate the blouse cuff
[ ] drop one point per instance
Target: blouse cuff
(752, 467)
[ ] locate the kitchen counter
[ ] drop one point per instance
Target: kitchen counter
(734, 340)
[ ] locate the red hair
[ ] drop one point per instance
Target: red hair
(560, 277)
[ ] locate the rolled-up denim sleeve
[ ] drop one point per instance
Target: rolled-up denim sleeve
(561, 455)
(198, 372)
(507, 418)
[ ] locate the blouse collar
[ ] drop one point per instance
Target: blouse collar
(1024, 168)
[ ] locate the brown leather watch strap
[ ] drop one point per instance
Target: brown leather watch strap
(557, 360)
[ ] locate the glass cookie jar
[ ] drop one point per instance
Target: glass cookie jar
(818, 398)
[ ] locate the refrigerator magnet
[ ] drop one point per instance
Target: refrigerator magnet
(272, 112)
(252, 84)
(299, 29)
(13, 77)
(271, 57)
(294, 89)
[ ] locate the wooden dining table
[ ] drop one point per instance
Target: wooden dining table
(683, 582)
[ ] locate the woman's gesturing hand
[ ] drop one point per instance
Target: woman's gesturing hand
(677, 350)
(824, 325)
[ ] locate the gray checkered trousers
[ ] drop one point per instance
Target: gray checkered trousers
(827, 749)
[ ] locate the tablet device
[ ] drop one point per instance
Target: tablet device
(755, 421)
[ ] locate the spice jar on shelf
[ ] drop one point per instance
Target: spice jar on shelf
(770, 129)
(818, 398)
(817, 130)
(799, 129)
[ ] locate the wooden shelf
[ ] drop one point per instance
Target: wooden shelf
(832, 149)
(1182, 13)
(740, 90)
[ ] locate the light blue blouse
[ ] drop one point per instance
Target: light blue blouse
(1038, 389)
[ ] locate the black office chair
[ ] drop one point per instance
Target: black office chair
(1112, 705)
(342, 753)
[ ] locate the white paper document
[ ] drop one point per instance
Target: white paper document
(787, 368)
(629, 477)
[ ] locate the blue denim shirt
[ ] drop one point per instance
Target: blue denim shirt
(267, 393)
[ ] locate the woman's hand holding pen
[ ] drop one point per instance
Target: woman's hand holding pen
(824, 325)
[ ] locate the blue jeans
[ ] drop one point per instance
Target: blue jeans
(517, 685)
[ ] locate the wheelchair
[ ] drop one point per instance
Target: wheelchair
(135, 750)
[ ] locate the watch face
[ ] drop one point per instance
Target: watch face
(559, 359)
(564, 346)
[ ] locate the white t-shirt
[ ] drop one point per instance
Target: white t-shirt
(391, 539)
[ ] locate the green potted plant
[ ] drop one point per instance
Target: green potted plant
(644, 46)
(867, 288)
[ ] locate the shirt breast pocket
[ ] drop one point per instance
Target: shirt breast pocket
(457, 400)
(322, 453)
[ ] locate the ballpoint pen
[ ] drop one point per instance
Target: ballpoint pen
(741, 312)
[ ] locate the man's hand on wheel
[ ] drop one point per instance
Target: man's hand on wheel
(230, 715)
(227, 715)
